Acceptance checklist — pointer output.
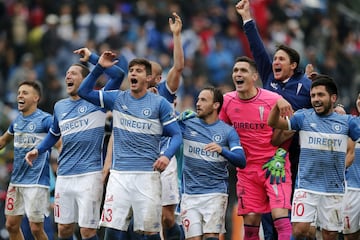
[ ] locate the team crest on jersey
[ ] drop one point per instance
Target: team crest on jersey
(217, 138)
(31, 127)
(274, 85)
(337, 127)
(261, 113)
(146, 112)
(82, 109)
(193, 133)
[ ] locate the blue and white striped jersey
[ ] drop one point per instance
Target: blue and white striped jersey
(165, 92)
(204, 171)
(137, 128)
(323, 143)
(353, 174)
(82, 127)
(28, 131)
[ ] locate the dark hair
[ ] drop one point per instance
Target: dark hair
(293, 54)
(34, 84)
(217, 94)
(84, 69)
(327, 81)
(250, 61)
(141, 61)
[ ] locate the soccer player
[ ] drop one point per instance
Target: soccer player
(247, 109)
(140, 118)
(28, 191)
(352, 195)
(167, 88)
(79, 187)
(209, 144)
(320, 183)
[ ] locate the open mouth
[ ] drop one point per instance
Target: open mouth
(277, 70)
(70, 84)
(239, 81)
(317, 104)
(133, 81)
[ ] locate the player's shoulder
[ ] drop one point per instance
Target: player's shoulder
(61, 102)
(230, 95)
(43, 113)
(268, 94)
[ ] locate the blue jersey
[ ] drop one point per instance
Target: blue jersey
(138, 124)
(137, 128)
(296, 90)
(28, 131)
(204, 171)
(82, 127)
(165, 92)
(323, 145)
(353, 174)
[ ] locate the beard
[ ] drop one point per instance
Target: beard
(327, 109)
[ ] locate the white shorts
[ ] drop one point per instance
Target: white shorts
(34, 201)
(326, 210)
(351, 211)
(136, 194)
(203, 213)
(169, 182)
(78, 199)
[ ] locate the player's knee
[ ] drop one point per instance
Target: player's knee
(12, 228)
(298, 233)
(65, 230)
(87, 232)
(12, 225)
(37, 229)
(168, 217)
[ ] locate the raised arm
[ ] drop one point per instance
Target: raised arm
(258, 50)
(174, 74)
(86, 89)
(116, 75)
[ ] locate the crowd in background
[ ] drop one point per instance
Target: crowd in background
(37, 39)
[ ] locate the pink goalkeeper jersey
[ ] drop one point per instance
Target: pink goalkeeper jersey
(249, 118)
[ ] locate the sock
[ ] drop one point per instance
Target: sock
(69, 238)
(283, 227)
(95, 237)
(172, 233)
(251, 232)
(114, 234)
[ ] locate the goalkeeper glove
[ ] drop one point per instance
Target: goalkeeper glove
(187, 114)
(275, 167)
